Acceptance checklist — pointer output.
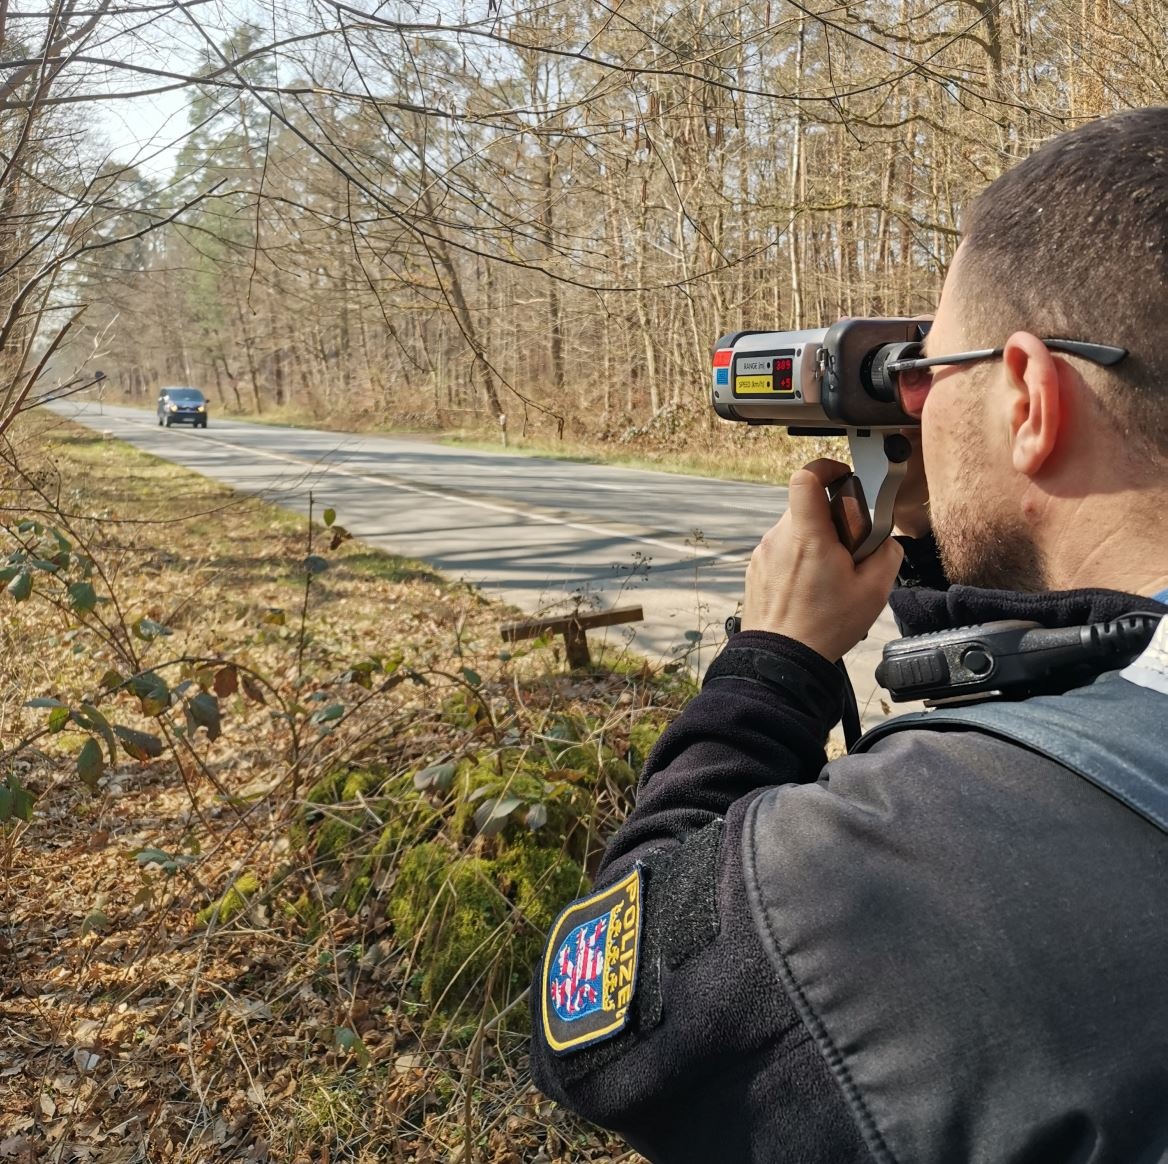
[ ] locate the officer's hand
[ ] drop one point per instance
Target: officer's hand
(910, 513)
(802, 582)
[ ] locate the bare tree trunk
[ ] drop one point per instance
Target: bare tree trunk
(794, 189)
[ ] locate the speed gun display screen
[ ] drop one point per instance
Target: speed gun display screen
(765, 375)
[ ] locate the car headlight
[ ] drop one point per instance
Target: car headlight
(174, 408)
(202, 408)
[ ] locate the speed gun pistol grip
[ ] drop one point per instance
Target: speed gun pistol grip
(862, 504)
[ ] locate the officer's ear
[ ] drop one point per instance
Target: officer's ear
(1034, 386)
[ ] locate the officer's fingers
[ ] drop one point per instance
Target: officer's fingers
(879, 568)
(826, 470)
(807, 501)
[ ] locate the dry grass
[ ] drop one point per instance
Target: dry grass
(186, 973)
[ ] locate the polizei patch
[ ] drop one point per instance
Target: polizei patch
(590, 967)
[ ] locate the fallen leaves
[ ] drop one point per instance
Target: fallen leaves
(130, 1033)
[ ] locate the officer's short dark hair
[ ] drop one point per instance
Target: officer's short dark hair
(1073, 243)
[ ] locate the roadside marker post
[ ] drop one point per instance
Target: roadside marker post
(573, 627)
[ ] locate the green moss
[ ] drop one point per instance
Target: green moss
(306, 910)
(540, 881)
(328, 789)
(330, 1110)
(595, 760)
(419, 876)
(335, 836)
(463, 710)
(463, 915)
(232, 903)
(362, 783)
(449, 911)
(356, 892)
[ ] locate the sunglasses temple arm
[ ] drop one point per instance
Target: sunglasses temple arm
(940, 361)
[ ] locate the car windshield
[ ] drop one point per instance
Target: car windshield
(185, 395)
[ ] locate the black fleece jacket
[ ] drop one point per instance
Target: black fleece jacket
(716, 1063)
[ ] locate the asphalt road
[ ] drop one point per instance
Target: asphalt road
(534, 531)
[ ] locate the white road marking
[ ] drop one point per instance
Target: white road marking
(495, 507)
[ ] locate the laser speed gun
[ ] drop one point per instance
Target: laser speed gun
(840, 380)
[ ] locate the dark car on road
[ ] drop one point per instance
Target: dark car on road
(182, 406)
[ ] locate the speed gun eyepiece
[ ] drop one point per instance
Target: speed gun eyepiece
(819, 381)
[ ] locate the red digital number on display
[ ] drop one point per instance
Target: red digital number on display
(784, 370)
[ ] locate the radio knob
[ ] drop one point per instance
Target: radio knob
(977, 661)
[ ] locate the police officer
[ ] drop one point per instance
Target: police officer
(950, 946)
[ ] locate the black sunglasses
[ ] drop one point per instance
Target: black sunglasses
(905, 371)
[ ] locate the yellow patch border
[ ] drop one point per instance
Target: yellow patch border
(619, 964)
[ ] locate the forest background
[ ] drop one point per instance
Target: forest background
(432, 216)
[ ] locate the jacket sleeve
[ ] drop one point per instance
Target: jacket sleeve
(714, 1063)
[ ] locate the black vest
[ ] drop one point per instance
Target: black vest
(974, 934)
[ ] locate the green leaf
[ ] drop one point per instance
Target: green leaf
(693, 636)
(472, 677)
(148, 630)
(91, 719)
(5, 805)
(491, 816)
(152, 690)
(82, 597)
(439, 776)
(330, 515)
(315, 564)
(111, 678)
(537, 816)
(444, 777)
(21, 586)
(350, 1043)
(95, 922)
(334, 711)
(204, 711)
(89, 763)
(274, 616)
(139, 745)
(58, 718)
(44, 701)
(22, 799)
(169, 863)
(151, 856)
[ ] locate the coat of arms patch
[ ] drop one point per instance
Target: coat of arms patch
(590, 966)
